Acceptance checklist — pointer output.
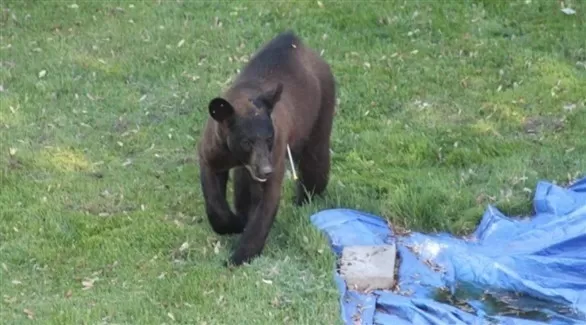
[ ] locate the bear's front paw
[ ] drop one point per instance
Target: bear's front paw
(230, 265)
(237, 259)
(235, 225)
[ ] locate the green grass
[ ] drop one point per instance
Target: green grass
(443, 109)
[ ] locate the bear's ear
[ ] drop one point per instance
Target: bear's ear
(272, 96)
(220, 109)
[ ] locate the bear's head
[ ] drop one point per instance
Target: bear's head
(250, 130)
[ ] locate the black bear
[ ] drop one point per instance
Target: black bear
(285, 95)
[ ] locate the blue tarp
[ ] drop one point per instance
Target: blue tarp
(509, 271)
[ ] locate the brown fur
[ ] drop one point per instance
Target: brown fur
(286, 83)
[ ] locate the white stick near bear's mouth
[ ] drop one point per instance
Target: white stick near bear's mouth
(253, 175)
(291, 162)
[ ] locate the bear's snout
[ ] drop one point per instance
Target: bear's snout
(265, 171)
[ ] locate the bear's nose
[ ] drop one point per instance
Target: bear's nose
(266, 171)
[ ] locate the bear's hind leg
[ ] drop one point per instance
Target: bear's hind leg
(314, 168)
(314, 165)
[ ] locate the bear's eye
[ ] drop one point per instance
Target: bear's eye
(270, 141)
(246, 145)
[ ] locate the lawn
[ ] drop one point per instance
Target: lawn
(444, 108)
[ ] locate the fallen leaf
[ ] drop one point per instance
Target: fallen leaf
(12, 151)
(181, 42)
(568, 11)
(29, 313)
(42, 73)
(68, 294)
(184, 246)
(275, 302)
(267, 281)
(87, 284)
(569, 107)
(9, 300)
(171, 316)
